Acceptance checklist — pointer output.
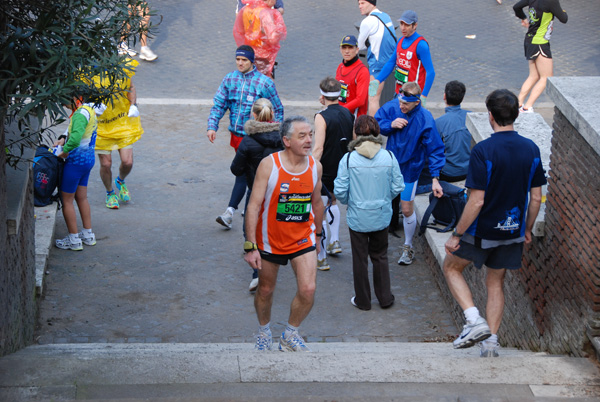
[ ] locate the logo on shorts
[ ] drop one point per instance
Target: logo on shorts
(284, 188)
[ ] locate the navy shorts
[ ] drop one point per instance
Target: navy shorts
(282, 259)
(506, 256)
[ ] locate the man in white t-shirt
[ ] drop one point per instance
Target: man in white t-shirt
(378, 29)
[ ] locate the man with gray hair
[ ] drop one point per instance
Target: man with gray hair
(283, 221)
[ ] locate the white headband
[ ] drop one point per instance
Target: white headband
(330, 94)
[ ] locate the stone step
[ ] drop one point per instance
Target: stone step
(113, 371)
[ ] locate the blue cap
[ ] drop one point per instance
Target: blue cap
(409, 17)
(349, 40)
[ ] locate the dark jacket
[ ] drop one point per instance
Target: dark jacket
(262, 139)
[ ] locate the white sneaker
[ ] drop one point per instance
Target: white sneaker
(67, 244)
(88, 240)
(253, 285)
(523, 110)
(125, 49)
(473, 333)
(147, 54)
(334, 248)
(408, 255)
(227, 218)
(323, 265)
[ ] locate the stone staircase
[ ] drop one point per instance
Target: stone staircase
(332, 371)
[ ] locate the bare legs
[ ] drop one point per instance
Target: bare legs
(126, 156)
(80, 196)
(304, 268)
(539, 70)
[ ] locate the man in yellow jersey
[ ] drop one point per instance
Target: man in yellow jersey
(283, 221)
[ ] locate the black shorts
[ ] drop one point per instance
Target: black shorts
(533, 51)
(507, 256)
(282, 259)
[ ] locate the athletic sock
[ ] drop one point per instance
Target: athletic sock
(74, 237)
(471, 315)
(289, 330)
(231, 210)
(491, 341)
(121, 181)
(265, 329)
(87, 231)
(410, 226)
(110, 192)
(335, 225)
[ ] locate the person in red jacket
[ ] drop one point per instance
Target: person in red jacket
(354, 77)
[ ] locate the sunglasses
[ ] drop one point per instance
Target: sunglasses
(408, 94)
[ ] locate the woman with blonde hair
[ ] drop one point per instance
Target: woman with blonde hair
(262, 139)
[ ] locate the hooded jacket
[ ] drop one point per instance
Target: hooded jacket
(262, 139)
(368, 179)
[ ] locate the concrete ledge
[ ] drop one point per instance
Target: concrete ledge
(45, 217)
(350, 363)
(577, 99)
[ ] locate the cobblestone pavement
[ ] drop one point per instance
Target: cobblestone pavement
(195, 45)
(164, 271)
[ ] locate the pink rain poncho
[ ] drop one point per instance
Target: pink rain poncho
(262, 28)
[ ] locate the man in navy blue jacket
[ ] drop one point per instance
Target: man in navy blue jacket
(414, 140)
(505, 180)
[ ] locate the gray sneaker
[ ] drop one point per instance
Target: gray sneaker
(227, 218)
(473, 333)
(264, 342)
(294, 343)
(408, 255)
(488, 350)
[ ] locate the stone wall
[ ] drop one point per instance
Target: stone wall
(17, 256)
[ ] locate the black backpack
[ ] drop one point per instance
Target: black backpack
(446, 210)
(47, 174)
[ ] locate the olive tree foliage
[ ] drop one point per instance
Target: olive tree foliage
(50, 50)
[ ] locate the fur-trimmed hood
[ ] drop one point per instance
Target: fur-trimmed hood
(366, 145)
(256, 127)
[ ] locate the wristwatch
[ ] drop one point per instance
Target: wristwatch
(249, 246)
(456, 234)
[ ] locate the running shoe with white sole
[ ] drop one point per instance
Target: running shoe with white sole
(227, 218)
(253, 285)
(473, 333)
(68, 244)
(334, 248)
(125, 49)
(294, 343)
(147, 54)
(87, 240)
(264, 342)
(408, 255)
(122, 191)
(489, 350)
(323, 265)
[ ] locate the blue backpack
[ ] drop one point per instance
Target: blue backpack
(47, 174)
(447, 210)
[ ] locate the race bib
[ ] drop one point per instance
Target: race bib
(343, 93)
(401, 75)
(293, 207)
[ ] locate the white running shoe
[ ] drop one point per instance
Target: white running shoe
(264, 342)
(488, 350)
(294, 343)
(67, 244)
(323, 265)
(88, 240)
(253, 285)
(408, 255)
(334, 248)
(125, 49)
(473, 333)
(147, 54)
(227, 218)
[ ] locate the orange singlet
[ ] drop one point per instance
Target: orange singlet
(286, 220)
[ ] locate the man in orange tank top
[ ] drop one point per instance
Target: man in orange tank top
(283, 221)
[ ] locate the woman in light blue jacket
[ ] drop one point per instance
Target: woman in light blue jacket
(368, 179)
